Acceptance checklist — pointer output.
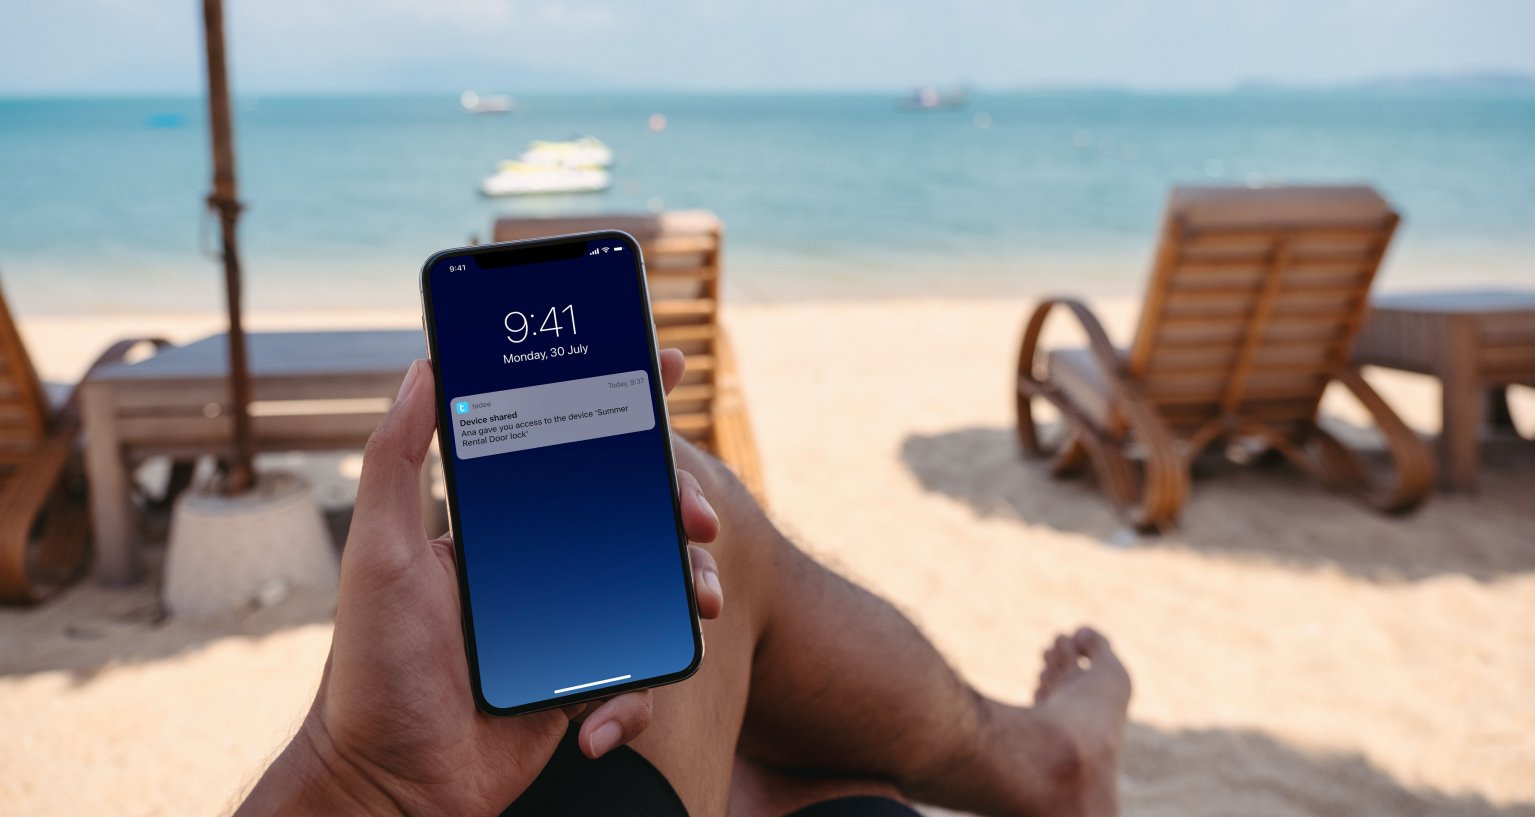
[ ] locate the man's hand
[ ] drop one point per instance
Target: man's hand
(394, 727)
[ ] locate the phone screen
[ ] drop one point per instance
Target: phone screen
(561, 489)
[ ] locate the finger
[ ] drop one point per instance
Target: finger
(442, 548)
(706, 583)
(673, 364)
(387, 491)
(699, 520)
(616, 722)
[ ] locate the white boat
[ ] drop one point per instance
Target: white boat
(493, 103)
(587, 151)
(932, 99)
(524, 179)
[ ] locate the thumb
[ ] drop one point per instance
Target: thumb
(387, 492)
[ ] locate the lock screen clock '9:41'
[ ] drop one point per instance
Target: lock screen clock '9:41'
(520, 324)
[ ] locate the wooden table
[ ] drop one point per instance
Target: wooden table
(1476, 342)
(310, 391)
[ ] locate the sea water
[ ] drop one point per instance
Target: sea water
(823, 195)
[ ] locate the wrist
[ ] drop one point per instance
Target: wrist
(312, 777)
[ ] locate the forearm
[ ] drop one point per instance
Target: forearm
(309, 777)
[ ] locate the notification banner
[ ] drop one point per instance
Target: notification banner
(551, 414)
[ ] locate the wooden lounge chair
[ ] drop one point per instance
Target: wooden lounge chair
(1254, 301)
(682, 263)
(44, 523)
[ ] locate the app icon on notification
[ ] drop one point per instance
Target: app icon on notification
(462, 407)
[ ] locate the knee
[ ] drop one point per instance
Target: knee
(748, 543)
(729, 497)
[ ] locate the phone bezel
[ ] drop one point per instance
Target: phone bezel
(445, 443)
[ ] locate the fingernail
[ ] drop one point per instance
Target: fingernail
(712, 581)
(705, 502)
(410, 380)
(605, 737)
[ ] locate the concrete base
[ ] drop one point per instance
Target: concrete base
(232, 552)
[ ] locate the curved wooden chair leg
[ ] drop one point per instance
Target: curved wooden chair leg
(46, 488)
(1412, 457)
(1325, 457)
(1026, 387)
(33, 488)
(1166, 468)
(1150, 501)
(63, 547)
(1338, 466)
(1069, 457)
(1318, 453)
(1028, 429)
(1149, 495)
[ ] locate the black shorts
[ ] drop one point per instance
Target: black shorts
(622, 783)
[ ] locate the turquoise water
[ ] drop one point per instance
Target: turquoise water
(823, 195)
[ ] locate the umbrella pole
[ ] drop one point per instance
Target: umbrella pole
(225, 201)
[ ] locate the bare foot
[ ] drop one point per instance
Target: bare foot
(1085, 692)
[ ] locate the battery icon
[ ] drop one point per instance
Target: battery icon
(618, 249)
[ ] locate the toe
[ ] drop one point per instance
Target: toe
(1105, 663)
(1091, 643)
(1061, 659)
(1097, 649)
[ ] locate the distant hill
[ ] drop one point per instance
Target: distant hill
(1469, 81)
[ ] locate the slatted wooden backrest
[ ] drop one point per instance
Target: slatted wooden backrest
(1254, 300)
(682, 264)
(24, 412)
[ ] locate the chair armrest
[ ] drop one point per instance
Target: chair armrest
(1103, 350)
(69, 412)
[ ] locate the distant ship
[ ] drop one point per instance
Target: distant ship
(932, 99)
(492, 103)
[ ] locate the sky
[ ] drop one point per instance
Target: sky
(381, 46)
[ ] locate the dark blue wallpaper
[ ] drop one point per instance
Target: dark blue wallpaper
(571, 553)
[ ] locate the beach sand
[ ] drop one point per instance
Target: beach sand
(1293, 652)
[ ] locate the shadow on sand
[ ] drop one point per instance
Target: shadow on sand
(89, 628)
(1275, 511)
(1237, 771)
(1222, 772)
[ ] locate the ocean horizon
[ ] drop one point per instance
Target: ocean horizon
(824, 195)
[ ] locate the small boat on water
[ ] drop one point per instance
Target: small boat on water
(491, 103)
(932, 99)
(586, 151)
(519, 178)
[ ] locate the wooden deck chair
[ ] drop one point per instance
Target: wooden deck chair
(44, 521)
(682, 263)
(1254, 301)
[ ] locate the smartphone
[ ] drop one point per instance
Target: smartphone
(562, 493)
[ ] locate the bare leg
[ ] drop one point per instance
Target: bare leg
(807, 671)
